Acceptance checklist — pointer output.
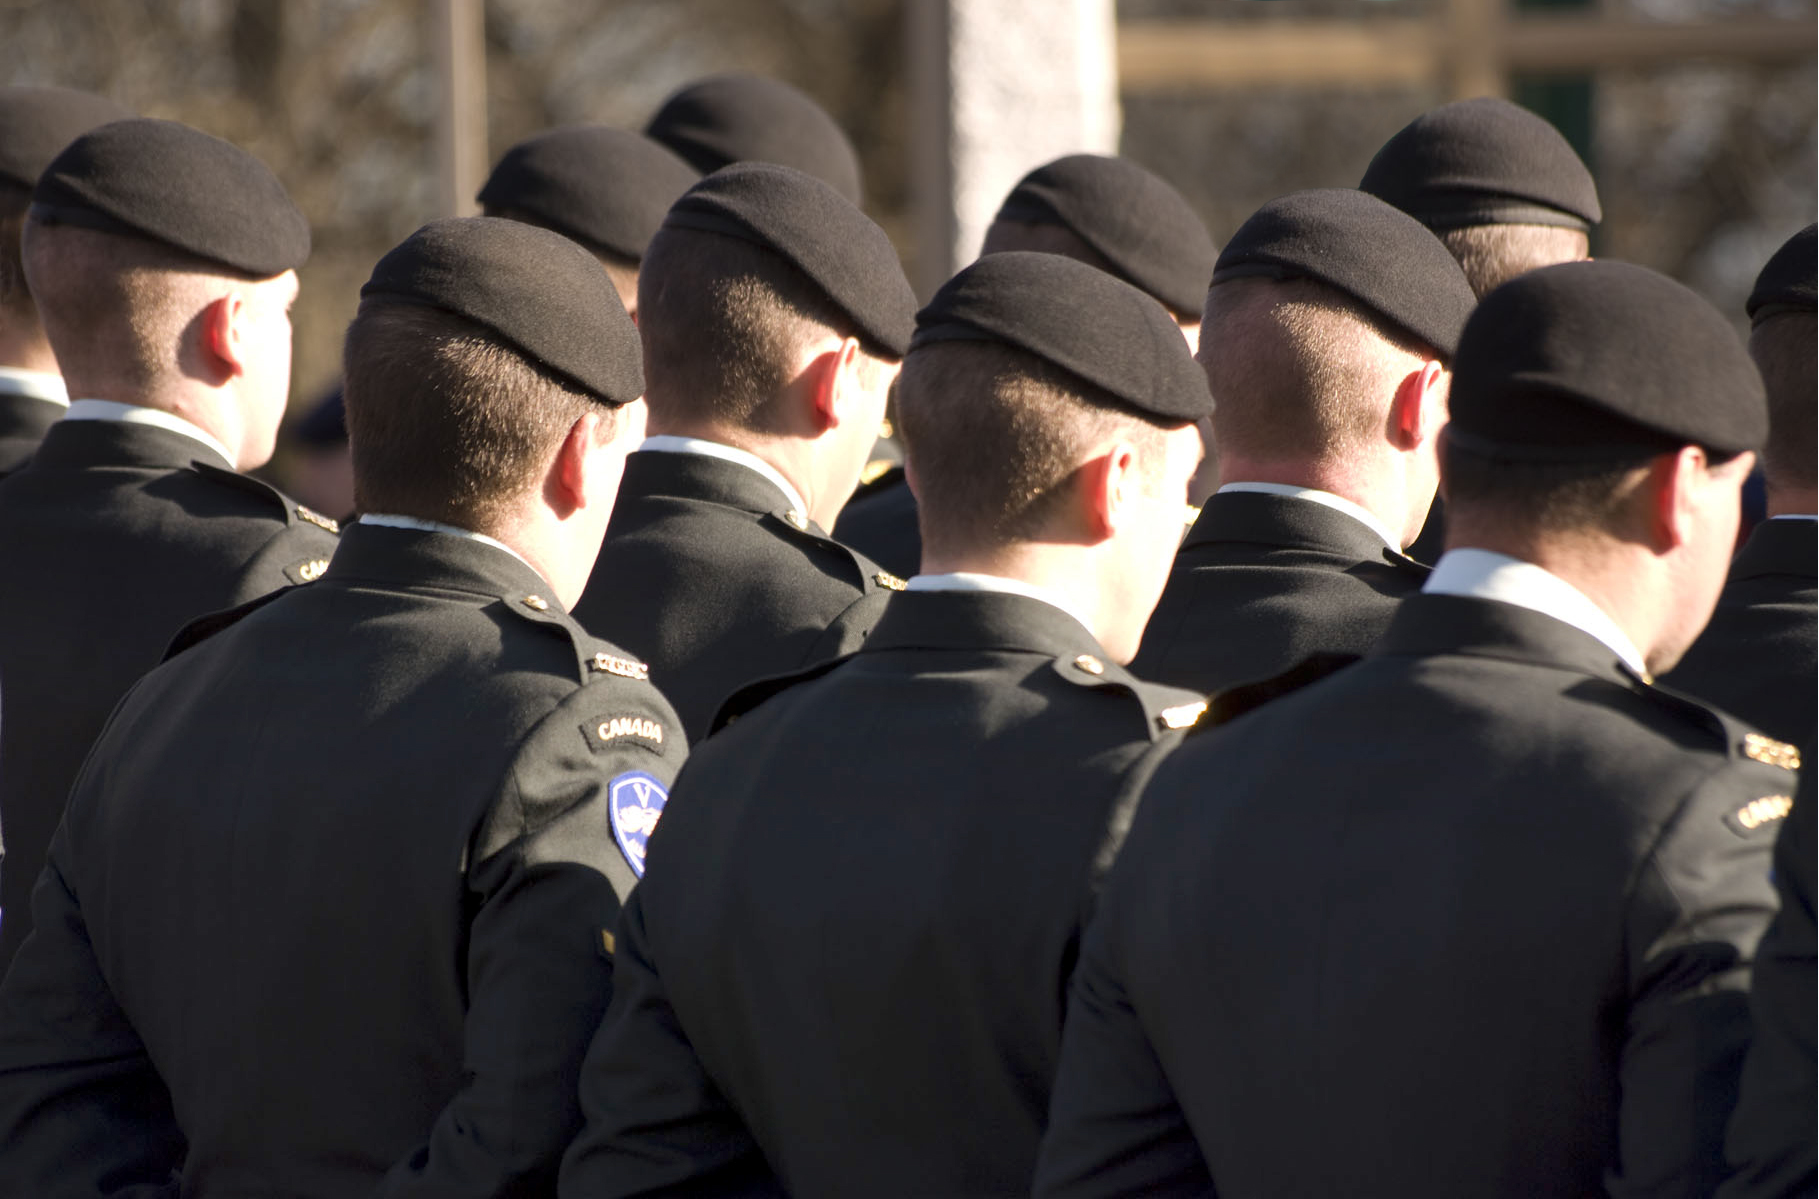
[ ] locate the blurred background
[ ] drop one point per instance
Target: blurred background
(1697, 116)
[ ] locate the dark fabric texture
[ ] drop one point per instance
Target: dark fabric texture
(705, 576)
(169, 183)
(1140, 224)
(1590, 361)
(880, 522)
(1264, 582)
(330, 923)
(1756, 659)
(1484, 162)
(37, 122)
(113, 536)
(1474, 916)
(926, 822)
(1786, 282)
(605, 188)
(533, 287)
(1077, 317)
(815, 229)
(748, 118)
(24, 420)
(1357, 244)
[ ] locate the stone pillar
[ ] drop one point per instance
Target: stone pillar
(998, 87)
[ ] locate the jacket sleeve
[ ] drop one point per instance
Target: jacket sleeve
(541, 887)
(83, 1110)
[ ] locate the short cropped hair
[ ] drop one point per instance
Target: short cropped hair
(1299, 372)
(447, 422)
(721, 321)
(1784, 352)
(1538, 497)
(1492, 255)
(994, 434)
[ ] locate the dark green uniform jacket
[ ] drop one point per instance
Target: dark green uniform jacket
(113, 538)
(1759, 656)
(1471, 917)
(845, 972)
(709, 575)
(1264, 582)
(24, 420)
(326, 916)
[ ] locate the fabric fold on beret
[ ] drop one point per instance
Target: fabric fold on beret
(1076, 317)
(1356, 244)
(605, 188)
(748, 118)
(812, 227)
(36, 123)
(533, 287)
(1786, 281)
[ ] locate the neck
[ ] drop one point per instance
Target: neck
(791, 457)
(25, 349)
(1384, 493)
(552, 550)
(1792, 501)
(213, 411)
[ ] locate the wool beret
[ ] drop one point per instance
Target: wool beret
(605, 188)
(1355, 243)
(534, 288)
(1137, 222)
(1484, 162)
(1074, 316)
(1786, 282)
(748, 118)
(815, 229)
(1601, 361)
(37, 122)
(168, 183)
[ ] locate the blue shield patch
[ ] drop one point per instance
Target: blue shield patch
(636, 800)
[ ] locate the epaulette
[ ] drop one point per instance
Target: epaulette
(753, 694)
(797, 525)
(1741, 739)
(204, 627)
(592, 659)
(1233, 702)
(293, 511)
(1165, 709)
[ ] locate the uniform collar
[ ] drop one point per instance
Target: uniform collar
(980, 619)
(406, 556)
(39, 385)
(135, 414)
(1485, 574)
(1314, 495)
(387, 520)
(668, 443)
(1429, 624)
(974, 581)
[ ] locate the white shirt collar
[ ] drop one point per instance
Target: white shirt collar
(966, 580)
(386, 520)
(1337, 503)
(1486, 574)
(1794, 516)
(134, 414)
(39, 385)
(669, 443)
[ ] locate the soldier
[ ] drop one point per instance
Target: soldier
(1756, 658)
(35, 123)
(1106, 212)
(605, 188)
(1474, 916)
(162, 262)
(926, 820)
(773, 317)
(1329, 327)
(330, 909)
(725, 119)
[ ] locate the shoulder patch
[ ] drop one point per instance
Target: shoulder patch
(625, 668)
(306, 571)
(1771, 752)
(636, 800)
(316, 518)
(889, 581)
(1758, 812)
(612, 730)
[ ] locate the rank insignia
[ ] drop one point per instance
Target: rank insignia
(889, 581)
(636, 800)
(1770, 751)
(316, 518)
(1181, 716)
(625, 668)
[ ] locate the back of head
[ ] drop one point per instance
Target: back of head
(752, 264)
(748, 118)
(1782, 333)
(1115, 215)
(478, 344)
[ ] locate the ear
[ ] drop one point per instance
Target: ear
(1419, 408)
(1673, 488)
(223, 329)
(1109, 490)
(573, 482)
(832, 384)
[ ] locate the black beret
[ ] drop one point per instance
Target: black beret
(1786, 283)
(1097, 328)
(605, 188)
(169, 183)
(37, 122)
(1355, 243)
(1484, 162)
(1136, 221)
(536, 289)
(1601, 361)
(748, 118)
(812, 227)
